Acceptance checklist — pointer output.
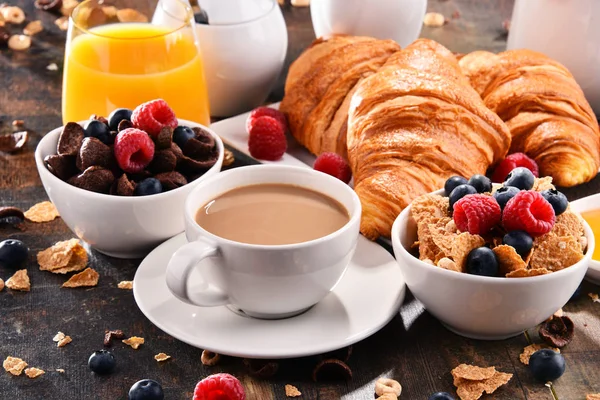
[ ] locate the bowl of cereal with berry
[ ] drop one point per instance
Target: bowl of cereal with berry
(120, 182)
(492, 260)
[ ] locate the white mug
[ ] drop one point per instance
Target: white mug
(565, 30)
(400, 20)
(263, 281)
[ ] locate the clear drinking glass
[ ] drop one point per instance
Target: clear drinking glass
(116, 56)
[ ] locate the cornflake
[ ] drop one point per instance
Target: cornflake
(64, 341)
(532, 348)
(19, 42)
(88, 278)
(42, 212)
(161, 357)
(126, 285)
(462, 246)
(524, 273)
(33, 27)
(554, 252)
(429, 206)
(19, 281)
(1, 284)
(33, 372)
(134, 342)
(62, 23)
(592, 396)
(14, 365)
(472, 381)
(63, 257)
(292, 391)
(594, 297)
(541, 184)
(508, 259)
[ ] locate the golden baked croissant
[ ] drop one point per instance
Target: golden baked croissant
(320, 84)
(412, 125)
(544, 108)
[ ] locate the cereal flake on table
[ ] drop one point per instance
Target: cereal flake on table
(160, 357)
(472, 381)
(532, 348)
(593, 396)
(125, 285)
(33, 372)
(1, 284)
(42, 212)
(14, 365)
(134, 342)
(292, 391)
(19, 281)
(63, 257)
(594, 296)
(87, 278)
(62, 339)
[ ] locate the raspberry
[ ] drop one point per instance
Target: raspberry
(268, 112)
(133, 150)
(153, 116)
(334, 165)
(511, 162)
(219, 387)
(476, 214)
(528, 211)
(266, 139)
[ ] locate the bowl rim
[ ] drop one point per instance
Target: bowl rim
(54, 133)
(404, 254)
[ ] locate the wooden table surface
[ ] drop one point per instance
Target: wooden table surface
(413, 348)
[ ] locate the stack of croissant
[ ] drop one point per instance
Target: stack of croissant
(407, 119)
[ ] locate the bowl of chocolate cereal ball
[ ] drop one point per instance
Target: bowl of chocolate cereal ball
(492, 260)
(120, 182)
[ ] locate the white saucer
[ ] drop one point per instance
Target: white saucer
(366, 299)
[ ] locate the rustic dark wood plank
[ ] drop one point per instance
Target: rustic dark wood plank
(413, 348)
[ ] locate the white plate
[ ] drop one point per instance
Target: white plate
(586, 204)
(366, 299)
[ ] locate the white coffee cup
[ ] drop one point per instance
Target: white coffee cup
(400, 20)
(263, 281)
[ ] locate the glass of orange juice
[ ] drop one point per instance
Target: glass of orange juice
(116, 57)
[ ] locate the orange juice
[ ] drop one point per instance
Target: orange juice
(126, 64)
(593, 218)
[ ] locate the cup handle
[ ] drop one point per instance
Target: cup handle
(178, 273)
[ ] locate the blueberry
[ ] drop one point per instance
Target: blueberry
(520, 240)
(201, 17)
(482, 183)
(459, 192)
(504, 194)
(521, 178)
(147, 187)
(482, 261)
(117, 116)
(102, 362)
(557, 200)
(13, 253)
(99, 130)
(547, 365)
(146, 389)
(441, 396)
(182, 134)
(453, 182)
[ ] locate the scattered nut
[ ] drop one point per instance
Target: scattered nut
(385, 385)
(13, 141)
(33, 27)
(433, 19)
(261, 368)
(19, 42)
(331, 369)
(48, 5)
(11, 212)
(558, 332)
(12, 14)
(209, 358)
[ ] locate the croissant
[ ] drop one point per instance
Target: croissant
(413, 124)
(544, 108)
(320, 84)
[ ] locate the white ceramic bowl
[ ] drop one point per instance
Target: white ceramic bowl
(123, 227)
(482, 307)
(589, 203)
